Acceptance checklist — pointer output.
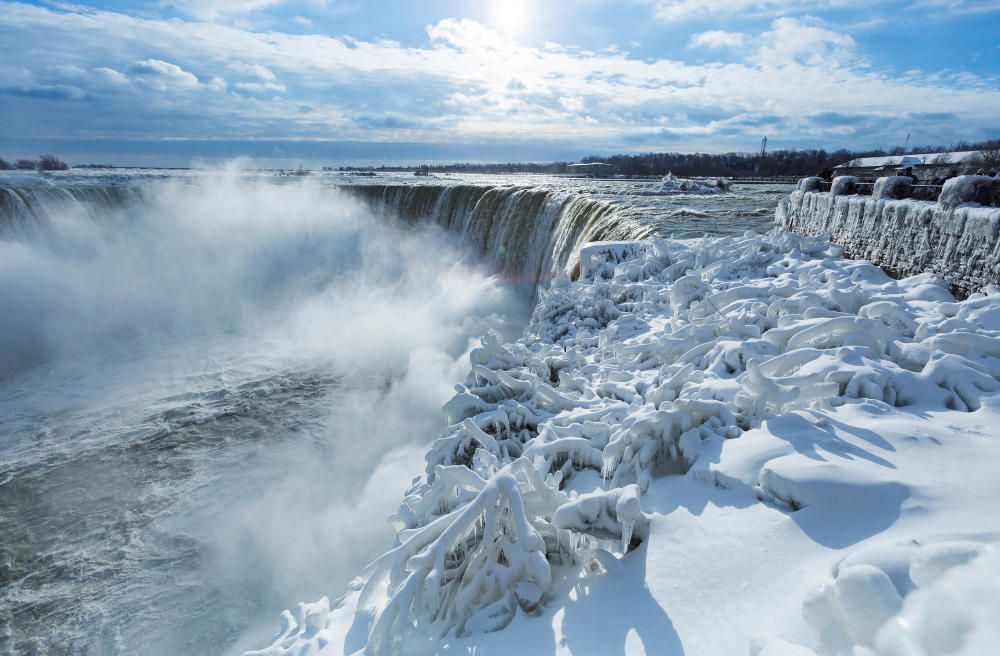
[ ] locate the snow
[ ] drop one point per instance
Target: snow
(717, 446)
(673, 185)
(955, 237)
(966, 189)
(909, 160)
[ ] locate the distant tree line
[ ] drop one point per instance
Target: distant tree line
(775, 163)
(466, 167)
(43, 163)
(734, 164)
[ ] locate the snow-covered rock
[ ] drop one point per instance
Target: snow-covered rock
(674, 185)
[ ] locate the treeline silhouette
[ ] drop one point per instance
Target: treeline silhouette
(467, 167)
(734, 164)
(775, 163)
(43, 163)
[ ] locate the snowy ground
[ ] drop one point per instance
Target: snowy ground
(729, 446)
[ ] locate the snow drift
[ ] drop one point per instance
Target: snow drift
(765, 371)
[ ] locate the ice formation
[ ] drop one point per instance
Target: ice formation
(674, 185)
(658, 360)
(957, 237)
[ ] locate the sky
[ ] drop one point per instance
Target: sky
(172, 82)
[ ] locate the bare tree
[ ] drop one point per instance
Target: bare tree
(52, 163)
(987, 160)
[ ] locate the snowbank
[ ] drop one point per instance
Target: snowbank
(686, 442)
(952, 608)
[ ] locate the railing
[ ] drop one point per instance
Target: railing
(929, 192)
(776, 179)
(983, 194)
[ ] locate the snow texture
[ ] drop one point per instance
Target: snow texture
(673, 185)
(898, 161)
(956, 238)
(952, 608)
(746, 367)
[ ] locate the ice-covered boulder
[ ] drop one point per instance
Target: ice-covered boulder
(967, 189)
(674, 185)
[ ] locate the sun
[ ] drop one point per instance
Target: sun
(508, 16)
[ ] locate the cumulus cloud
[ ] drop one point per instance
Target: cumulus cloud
(717, 39)
(253, 70)
(804, 40)
(465, 34)
(111, 76)
(163, 74)
(464, 84)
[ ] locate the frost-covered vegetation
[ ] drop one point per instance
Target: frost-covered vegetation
(812, 395)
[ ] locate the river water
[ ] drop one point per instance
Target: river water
(215, 386)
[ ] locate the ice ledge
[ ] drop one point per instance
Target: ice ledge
(955, 237)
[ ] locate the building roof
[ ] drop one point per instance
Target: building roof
(897, 161)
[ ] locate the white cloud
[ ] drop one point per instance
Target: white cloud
(675, 10)
(575, 105)
(717, 39)
(465, 84)
(804, 40)
(253, 70)
(260, 87)
(211, 10)
(111, 76)
(163, 74)
(70, 71)
(678, 10)
(465, 34)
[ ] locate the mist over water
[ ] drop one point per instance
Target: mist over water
(214, 387)
(212, 397)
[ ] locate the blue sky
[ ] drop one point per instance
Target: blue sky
(169, 82)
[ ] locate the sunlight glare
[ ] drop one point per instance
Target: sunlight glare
(508, 16)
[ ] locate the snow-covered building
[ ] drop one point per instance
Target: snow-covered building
(880, 166)
(595, 169)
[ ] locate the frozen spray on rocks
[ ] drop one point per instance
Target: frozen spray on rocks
(692, 358)
(956, 237)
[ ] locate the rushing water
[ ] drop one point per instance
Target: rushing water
(215, 386)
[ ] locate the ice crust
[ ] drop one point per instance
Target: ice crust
(674, 185)
(738, 363)
(955, 237)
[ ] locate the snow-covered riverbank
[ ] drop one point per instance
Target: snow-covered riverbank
(733, 445)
